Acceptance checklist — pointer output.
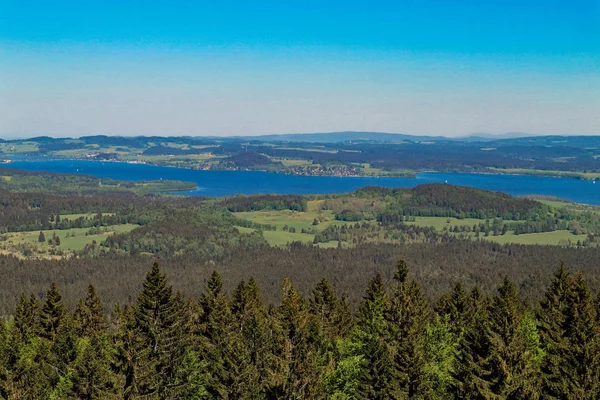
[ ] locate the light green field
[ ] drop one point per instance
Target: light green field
(298, 220)
(244, 230)
(70, 239)
(292, 163)
(21, 147)
(115, 150)
(555, 203)
(71, 217)
(545, 238)
(539, 172)
(303, 220)
(368, 170)
(317, 149)
(440, 222)
(281, 238)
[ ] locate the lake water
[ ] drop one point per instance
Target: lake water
(225, 183)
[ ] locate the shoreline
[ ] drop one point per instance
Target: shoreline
(547, 174)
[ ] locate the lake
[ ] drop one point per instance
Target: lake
(226, 183)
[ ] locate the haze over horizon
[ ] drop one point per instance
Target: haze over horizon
(234, 68)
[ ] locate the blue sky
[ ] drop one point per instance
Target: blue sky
(70, 68)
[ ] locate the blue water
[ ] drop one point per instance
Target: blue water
(225, 183)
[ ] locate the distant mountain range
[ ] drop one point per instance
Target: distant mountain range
(352, 136)
(520, 138)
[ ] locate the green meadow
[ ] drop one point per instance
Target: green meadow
(71, 240)
(556, 238)
(304, 220)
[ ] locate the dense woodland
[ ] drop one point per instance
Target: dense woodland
(436, 266)
(463, 344)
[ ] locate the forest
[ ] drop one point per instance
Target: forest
(396, 344)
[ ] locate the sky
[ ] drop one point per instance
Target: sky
(431, 67)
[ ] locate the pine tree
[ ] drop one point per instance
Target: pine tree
(407, 317)
(214, 325)
(470, 373)
(53, 312)
(515, 353)
(158, 320)
(377, 376)
(440, 346)
(41, 237)
(324, 305)
(131, 351)
(89, 315)
(581, 360)
(27, 317)
(552, 332)
(299, 347)
(91, 372)
(458, 310)
(251, 344)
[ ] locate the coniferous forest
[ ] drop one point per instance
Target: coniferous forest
(228, 312)
(395, 344)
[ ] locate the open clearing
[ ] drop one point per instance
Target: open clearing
(71, 217)
(71, 240)
(297, 220)
(544, 238)
(304, 220)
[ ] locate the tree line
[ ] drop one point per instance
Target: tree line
(397, 345)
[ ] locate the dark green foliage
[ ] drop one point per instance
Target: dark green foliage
(161, 325)
(52, 314)
(407, 316)
(89, 315)
(377, 378)
(570, 333)
(395, 347)
(27, 317)
(265, 202)
(214, 331)
(298, 342)
(516, 353)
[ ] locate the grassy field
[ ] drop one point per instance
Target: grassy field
(70, 217)
(315, 149)
(304, 220)
(545, 238)
(21, 147)
(287, 162)
(555, 203)
(297, 220)
(540, 172)
(281, 238)
(368, 170)
(440, 222)
(70, 240)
